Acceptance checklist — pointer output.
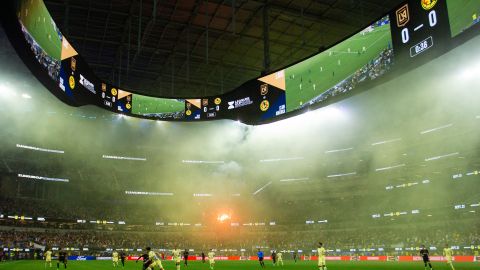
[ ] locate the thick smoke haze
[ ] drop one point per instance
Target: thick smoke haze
(423, 125)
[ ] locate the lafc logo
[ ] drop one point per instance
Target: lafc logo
(264, 105)
(428, 4)
(403, 15)
(263, 89)
(73, 64)
(71, 82)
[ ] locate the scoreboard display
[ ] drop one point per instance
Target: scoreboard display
(411, 34)
(420, 29)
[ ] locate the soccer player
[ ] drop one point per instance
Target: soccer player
(321, 256)
(448, 253)
(211, 259)
(185, 257)
(176, 257)
(295, 256)
(62, 258)
(426, 259)
(122, 258)
(260, 258)
(203, 257)
(279, 258)
(48, 258)
(145, 260)
(115, 258)
(274, 258)
(154, 260)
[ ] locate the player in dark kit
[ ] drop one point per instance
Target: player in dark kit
(185, 257)
(426, 259)
(62, 258)
(295, 256)
(146, 261)
(203, 257)
(260, 258)
(122, 258)
(274, 258)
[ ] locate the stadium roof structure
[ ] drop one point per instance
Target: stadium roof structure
(199, 48)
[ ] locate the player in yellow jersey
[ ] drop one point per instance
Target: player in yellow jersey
(177, 257)
(279, 258)
(154, 259)
(448, 253)
(48, 258)
(115, 258)
(321, 256)
(211, 258)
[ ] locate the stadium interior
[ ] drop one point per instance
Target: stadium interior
(379, 173)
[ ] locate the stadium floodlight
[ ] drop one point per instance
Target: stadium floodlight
(294, 179)
(338, 150)
(262, 188)
(281, 159)
(442, 156)
(42, 178)
(1, 215)
(436, 129)
(39, 149)
(202, 195)
(386, 141)
(131, 192)
(341, 174)
(389, 167)
(124, 158)
(203, 161)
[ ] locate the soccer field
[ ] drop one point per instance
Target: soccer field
(151, 105)
(242, 265)
(462, 14)
(312, 77)
(35, 17)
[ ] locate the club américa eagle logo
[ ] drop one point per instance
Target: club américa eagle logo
(428, 4)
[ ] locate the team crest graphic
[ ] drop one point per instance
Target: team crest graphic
(264, 105)
(114, 91)
(104, 87)
(428, 4)
(403, 15)
(128, 106)
(205, 102)
(73, 64)
(71, 82)
(217, 101)
(188, 112)
(263, 89)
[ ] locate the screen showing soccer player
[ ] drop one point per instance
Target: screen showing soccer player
(462, 15)
(341, 68)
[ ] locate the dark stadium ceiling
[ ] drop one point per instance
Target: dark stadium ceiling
(203, 47)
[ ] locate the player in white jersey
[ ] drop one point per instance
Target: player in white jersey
(279, 258)
(211, 258)
(115, 258)
(321, 256)
(448, 253)
(154, 259)
(48, 258)
(177, 257)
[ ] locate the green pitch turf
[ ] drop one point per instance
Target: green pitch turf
(145, 105)
(461, 14)
(35, 17)
(317, 74)
(241, 265)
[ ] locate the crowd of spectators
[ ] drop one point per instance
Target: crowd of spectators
(285, 238)
(370, 71)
